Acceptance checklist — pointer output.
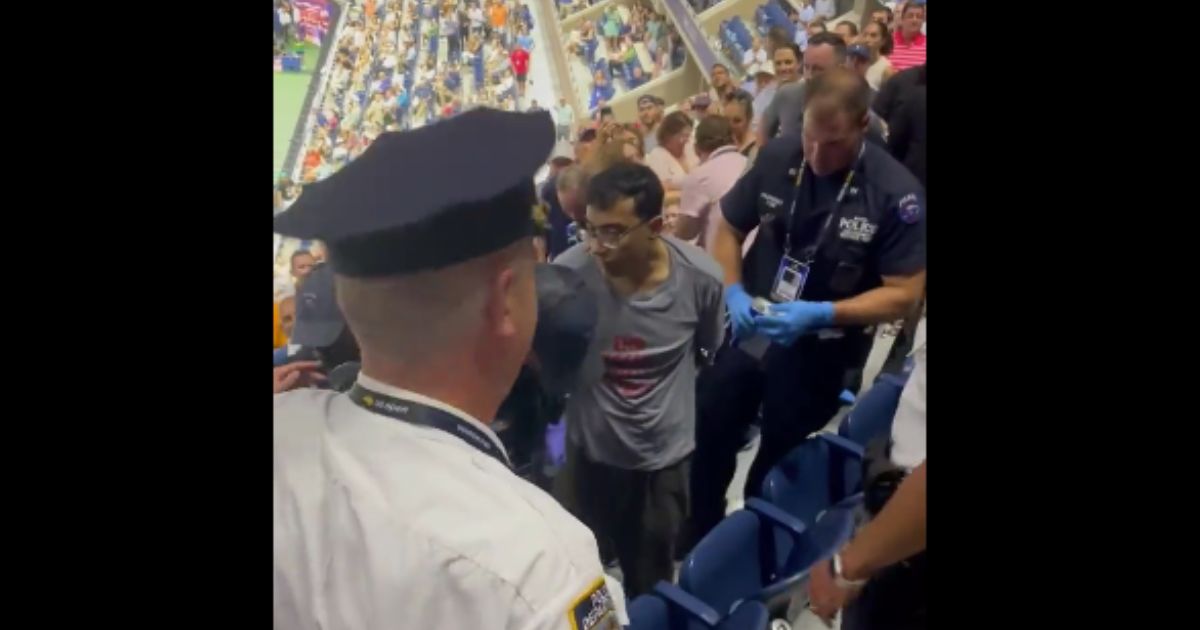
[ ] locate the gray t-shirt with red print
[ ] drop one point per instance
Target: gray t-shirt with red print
(634, 406)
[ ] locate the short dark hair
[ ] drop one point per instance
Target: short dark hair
(561, 161)
(627, 180)
(721, 66)
(912, 5)
(672, 124)
(891, 16)
(743, 97)
(606, 111)
(301, 252)
(826, 38)
(792, 46)
(713, 133)
(587, 135)
(852, 25)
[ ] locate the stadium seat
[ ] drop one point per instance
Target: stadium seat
(873, 412)
(671, 608)
(742, 558)
(819, 473)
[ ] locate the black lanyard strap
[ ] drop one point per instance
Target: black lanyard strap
(787, 238)
(424, 415)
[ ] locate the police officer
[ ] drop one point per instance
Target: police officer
(395, 503)
(840, 247)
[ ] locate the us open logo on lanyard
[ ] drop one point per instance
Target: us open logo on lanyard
(424, 415)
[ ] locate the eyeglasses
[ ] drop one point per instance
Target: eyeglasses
(610, 236)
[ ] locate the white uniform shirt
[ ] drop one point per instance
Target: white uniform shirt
(381, 523)
(908, 425)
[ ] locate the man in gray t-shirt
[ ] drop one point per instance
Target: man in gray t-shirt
(631, 415)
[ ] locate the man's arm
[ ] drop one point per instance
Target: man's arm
(897, 533)
(898, 296)
(727, 249)
(693, 203)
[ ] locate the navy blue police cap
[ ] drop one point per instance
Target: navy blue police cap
(567, 313)
(428, 198)
(319, 321)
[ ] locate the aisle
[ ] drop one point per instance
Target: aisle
(540, 86)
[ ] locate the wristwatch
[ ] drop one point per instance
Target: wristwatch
(838, 578)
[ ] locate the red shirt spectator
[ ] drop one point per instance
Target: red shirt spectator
(519, 58)
(909, 43)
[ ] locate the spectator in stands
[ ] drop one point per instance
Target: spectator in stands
(564, 119)
(909, 41)
(755, 56)
(498, 16)
(650, 113)
(883, 15)
(602, 92)
(765, 86)
(519, 59)
(826, 9)
(453, 41)
(806, 14)
(848, 30)
(570, 194)
(738, 109)
(677, 51)
(302, 264)
(720, 167)
(631, 418)
(524, 39)
(475, 14)
(876, 37)
(283, 14)
(611, 26)
(285, 318)
(902, 104)
(722, 84)
(667, 158)
(787, 59)
(783, 115)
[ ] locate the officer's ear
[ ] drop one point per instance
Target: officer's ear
(865, 122)
(656, 225)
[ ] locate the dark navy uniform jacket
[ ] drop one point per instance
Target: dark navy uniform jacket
(878, 229)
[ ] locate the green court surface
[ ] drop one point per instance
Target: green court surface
(290, 88)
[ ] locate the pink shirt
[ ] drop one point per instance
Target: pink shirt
(703, 188)
(907, 54)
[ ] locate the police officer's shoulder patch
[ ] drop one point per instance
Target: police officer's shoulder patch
(594, 609)
(909, 208)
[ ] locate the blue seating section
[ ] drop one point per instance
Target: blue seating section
(872, 415)
(811, 503)
(736, 37)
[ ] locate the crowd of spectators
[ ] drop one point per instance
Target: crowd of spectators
(639, 45)
(407, 63)
(389, 72)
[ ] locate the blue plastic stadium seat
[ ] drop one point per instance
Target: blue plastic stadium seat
(820, 472)
(670, 608)
(873, 411)
(742, 557)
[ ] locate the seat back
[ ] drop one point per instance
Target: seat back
(725, 567)
(648, 612)
(873, 412)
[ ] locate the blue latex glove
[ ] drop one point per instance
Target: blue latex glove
(741, 314)
(787, 321)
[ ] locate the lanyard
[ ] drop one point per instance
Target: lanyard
(424, 415)
(787, 238)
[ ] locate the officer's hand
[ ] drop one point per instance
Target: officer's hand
(297, 374)
(786, 322)
(741, 313)
(825, 598)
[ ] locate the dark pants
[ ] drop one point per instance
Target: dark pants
(798, 390)
(894, 599)
(639, 513)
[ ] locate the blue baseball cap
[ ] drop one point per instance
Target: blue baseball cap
(319, 322)
(858, 50)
